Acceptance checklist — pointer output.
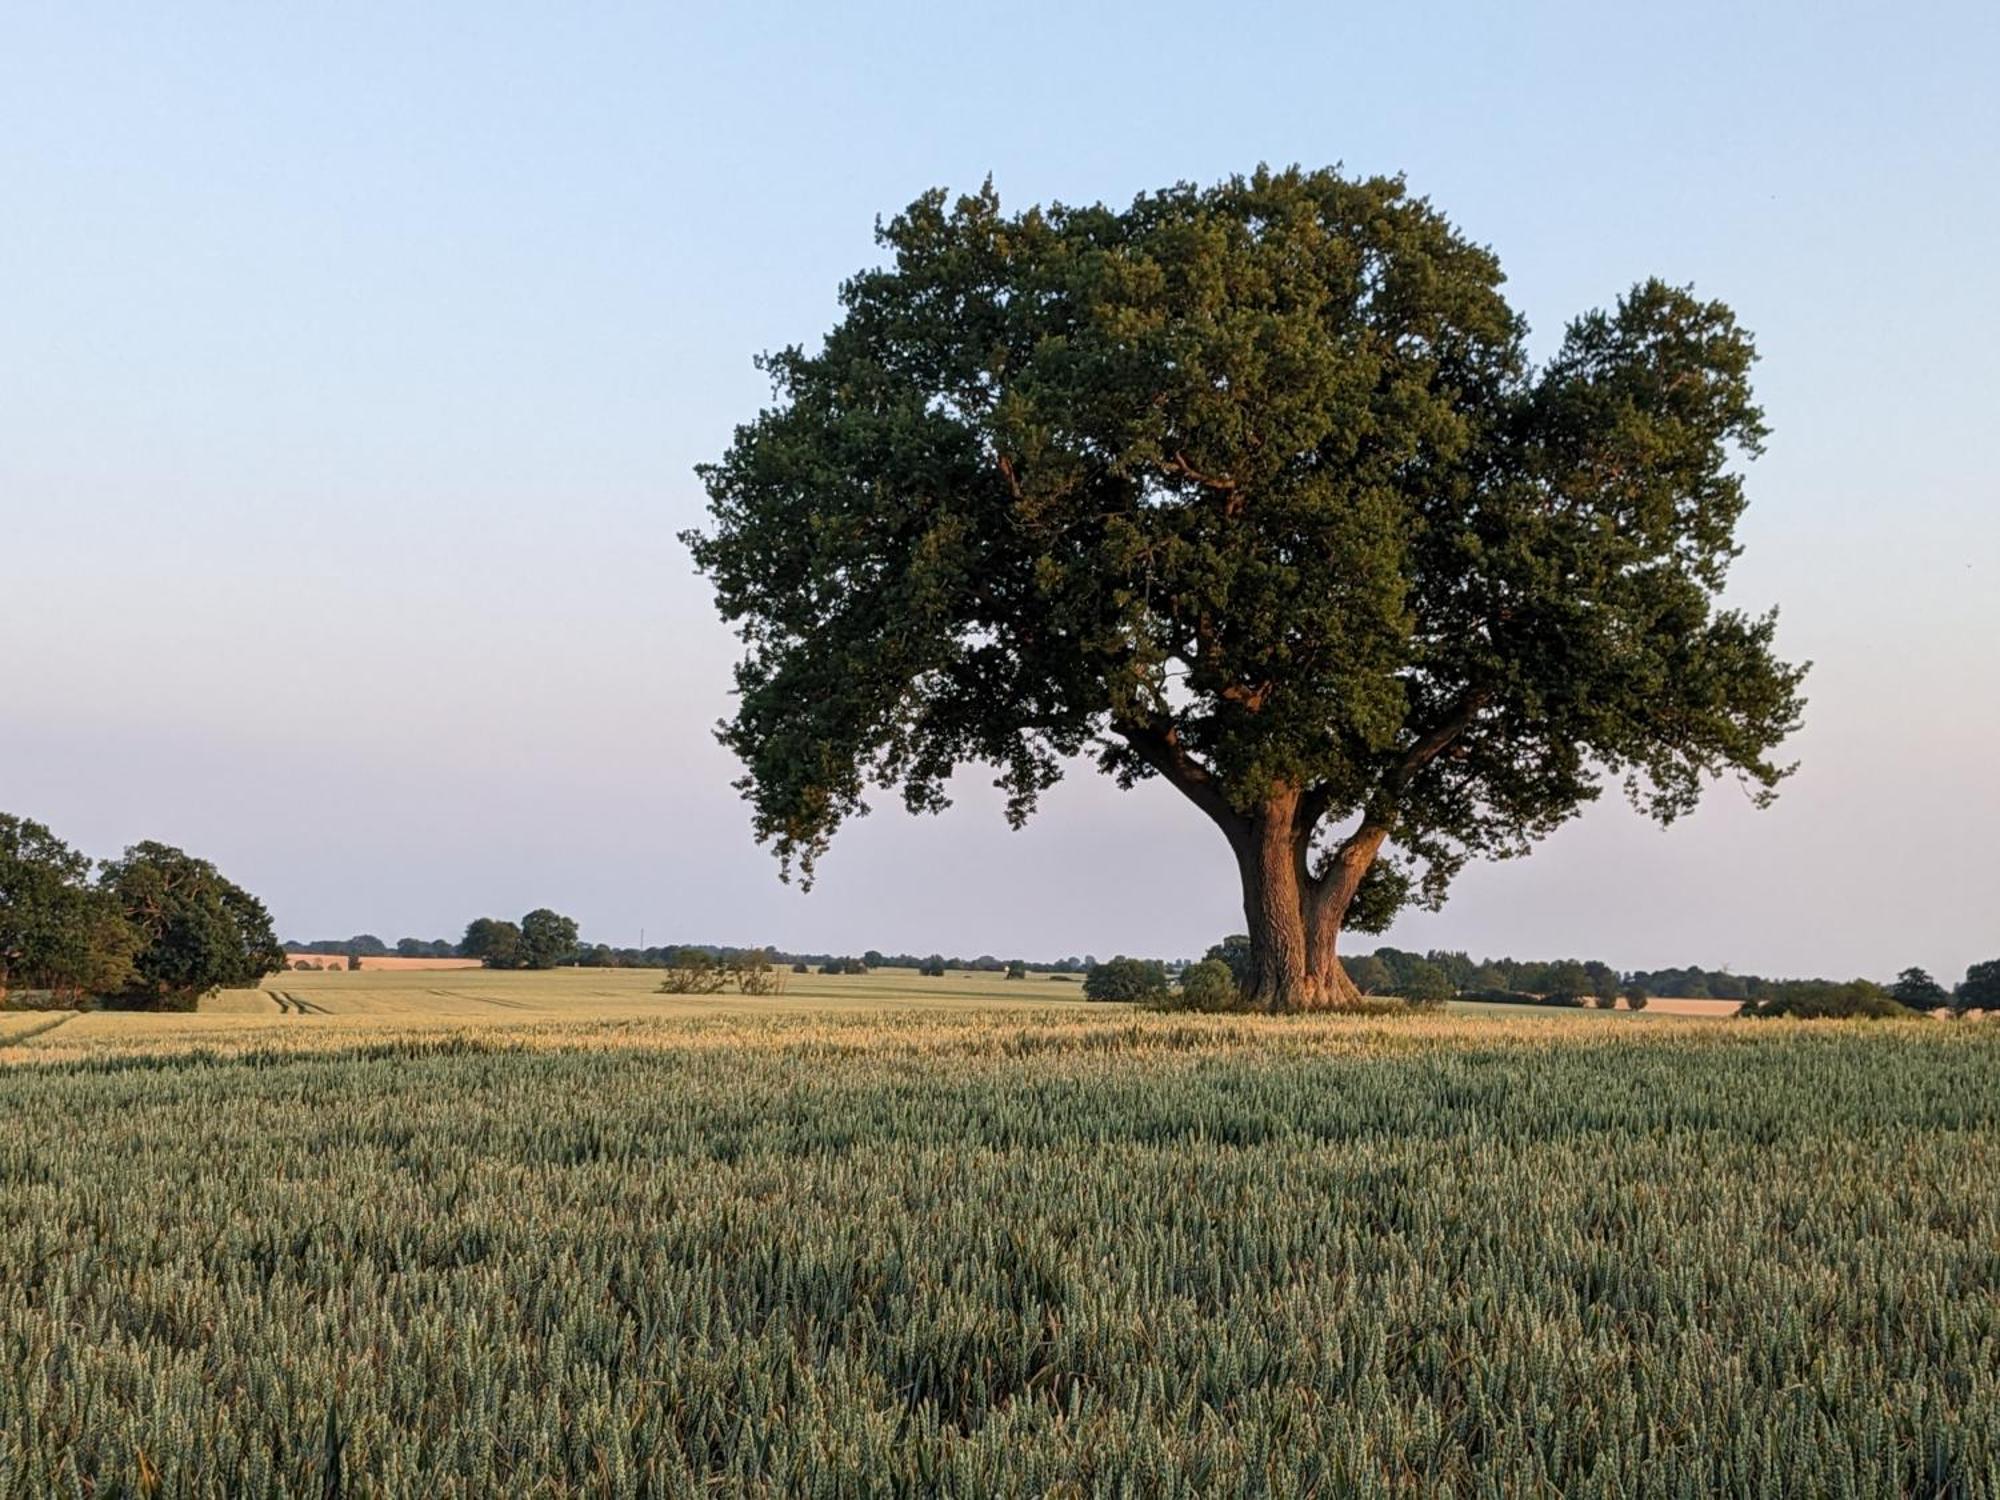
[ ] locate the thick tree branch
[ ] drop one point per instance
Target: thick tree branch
(1160, 747)
(1333, 892)
(1178, 464)
(1430, 745)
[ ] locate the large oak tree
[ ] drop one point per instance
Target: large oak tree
(1253, 489)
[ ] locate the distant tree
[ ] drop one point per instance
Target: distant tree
(1458, 968)
(410, 947)
(874, 959)
(1141, 980)
(690, 971)
(1980, 989)
(547, 938)
(58, 933)
(1917, 990)
(366, 945)
(1823, 999)
(1016, 969)
(932, 967)
(494, 942)
(1369, 974)
(1635, 997)
(1208, 986)
(1425, 983)
(197, 931)
(755, 973)
(1234, 953)
(1255, 489)
(1568, 980)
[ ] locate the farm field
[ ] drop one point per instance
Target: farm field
(310, 1010)
(875, 1240)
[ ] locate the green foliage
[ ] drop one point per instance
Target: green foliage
(1155, 1259)
(932, 967)
(1824, 999)
(754, 972)
(197, 931)
(1635, 998)
(1017, 969)
(1206, 986)
(1253, 488)
(1980, 989)
(60, 937)
(494, 942)
(1142, 981)
(691, 971)
(1915, 989)
(1234, 952)
(547, 939)
(1425, 983)
(1370, 975)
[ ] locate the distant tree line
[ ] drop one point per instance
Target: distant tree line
(155, 929)
(545, 939)
(1443, 974)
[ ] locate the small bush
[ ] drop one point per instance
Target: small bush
(1206, 986)
(1826, 1000)
(690, 971)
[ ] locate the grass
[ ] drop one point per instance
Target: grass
(868, 1239)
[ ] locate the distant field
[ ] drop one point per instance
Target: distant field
(309, 1009)
(556, 1234)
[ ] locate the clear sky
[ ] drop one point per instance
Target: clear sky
(354, 360)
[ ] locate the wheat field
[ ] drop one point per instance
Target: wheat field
(399, 1234)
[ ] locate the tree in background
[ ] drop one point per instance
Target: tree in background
(1568, 980)
(1140, 980)
(197, 930)
(755, 973)
(1253, 489)
(1425, 983)
(1017, 969)
(1826, 999)
(1233, 952)
(495, 943)
(1369, 975)
(691, 971)
(932, 967)
(1208, 986)
(1916, 989)
(1980, 989)
(547, 939)
(58, 933)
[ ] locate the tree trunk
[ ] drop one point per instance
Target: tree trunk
(1294, 920)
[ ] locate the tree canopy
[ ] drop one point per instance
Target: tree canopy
(198, 931)
(547, 939)
(58, 932)
(494, 942)
(1255, 489)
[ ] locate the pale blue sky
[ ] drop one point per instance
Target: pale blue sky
(354, 359)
